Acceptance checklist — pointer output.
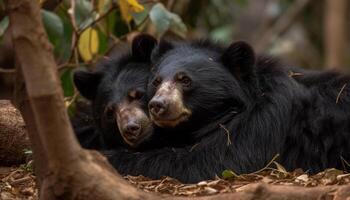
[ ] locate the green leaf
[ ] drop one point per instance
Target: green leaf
(227, 174)
(103, 41)
(83, 12)
(140, 17)
(110, 22)
(222, 34)
(63, 53)
(3, 25)
(121, 27)
(53, 26)
(177, 26)
(67, 83)
(160, 17)
(164, 20)
(103, 6)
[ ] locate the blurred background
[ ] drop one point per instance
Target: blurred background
(305, 33)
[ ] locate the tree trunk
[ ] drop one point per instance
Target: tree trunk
(70, 172)
(335, 37)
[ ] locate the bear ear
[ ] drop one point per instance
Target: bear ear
(142, 46)
(239, 57)
(87, 83)
(161, 49)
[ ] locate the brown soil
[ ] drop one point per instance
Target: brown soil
(17, 184)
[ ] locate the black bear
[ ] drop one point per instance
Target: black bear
(117, 92)
(239, 111)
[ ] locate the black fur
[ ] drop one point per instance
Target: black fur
(239, 127)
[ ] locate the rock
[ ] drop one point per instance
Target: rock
(13, 135)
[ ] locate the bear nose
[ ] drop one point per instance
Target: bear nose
(133, 128)
(158, 106)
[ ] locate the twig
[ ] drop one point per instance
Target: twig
(194, 146)
(113, 7)
(268, 164)
(10, 175)
(345, 163)
(228, 134)
(72, 99)
(292, 74)
(21, 180)
(341, 90)
(75, 35)
(71, 13)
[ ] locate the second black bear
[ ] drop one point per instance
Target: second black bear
(119, 104)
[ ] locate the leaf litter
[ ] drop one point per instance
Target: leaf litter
(18, 183)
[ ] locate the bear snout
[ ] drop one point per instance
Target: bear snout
(158, 106)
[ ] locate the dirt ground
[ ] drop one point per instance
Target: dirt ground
(19, 182)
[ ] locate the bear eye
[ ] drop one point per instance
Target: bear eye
(157, 81)
(184, 80)
(135, 94)
(109, 112)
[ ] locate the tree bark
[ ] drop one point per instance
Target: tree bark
(335, 37)
(39, 153)
(71, 172)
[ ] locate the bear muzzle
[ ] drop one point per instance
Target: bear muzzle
(167, 108)
(133, 124)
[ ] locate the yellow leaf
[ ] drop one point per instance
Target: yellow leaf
(135, 6)
(127, 7)
(88, 44)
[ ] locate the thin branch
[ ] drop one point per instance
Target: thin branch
(282, 24)
(105, 14)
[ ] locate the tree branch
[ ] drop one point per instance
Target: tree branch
(335, 37)
(30, 42)
(282, 24)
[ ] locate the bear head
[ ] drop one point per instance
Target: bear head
(118, 94)
(195, 83)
